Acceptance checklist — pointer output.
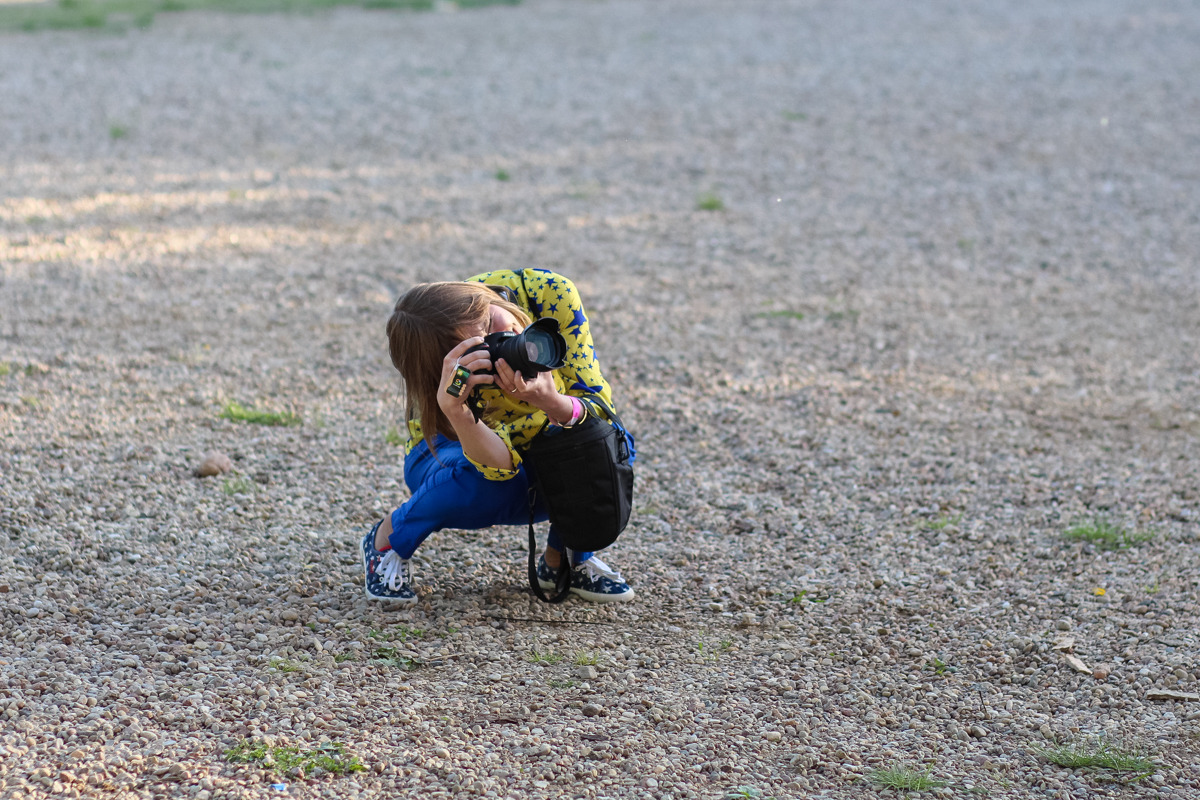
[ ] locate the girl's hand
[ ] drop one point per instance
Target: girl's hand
(455, 407)
(539, 392)
(536, 391)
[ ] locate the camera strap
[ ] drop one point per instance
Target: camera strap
(562, 579)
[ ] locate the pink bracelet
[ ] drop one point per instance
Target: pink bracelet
(576, 413)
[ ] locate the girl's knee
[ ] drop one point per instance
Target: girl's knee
(492, 502)
(461, 497)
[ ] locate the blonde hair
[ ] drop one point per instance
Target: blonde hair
(427, 322)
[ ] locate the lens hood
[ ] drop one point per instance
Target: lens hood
(538, 348)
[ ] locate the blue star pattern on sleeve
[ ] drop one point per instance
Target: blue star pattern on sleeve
(583, 387)
(577, 321)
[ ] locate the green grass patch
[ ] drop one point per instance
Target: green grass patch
(1099, 753)
(1105, 534)
(745, 793)
(941, 523)
(391, 657)
(797, 315)
(393, 437)
(793, 116)
(538, 657)
(803, 595)
(117, 132)
(711, 652)
(401, 632)
(709, 202)
(408, 5)
(330, 758)
(847, 315)
(5, 369)
(939, 667)
(342, 658)
(905, 779)
(123, 14)
(586, 659)
(239, 484)
(502, 175)
(238, 413)
(283, 665)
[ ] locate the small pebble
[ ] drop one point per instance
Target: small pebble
(214, 464)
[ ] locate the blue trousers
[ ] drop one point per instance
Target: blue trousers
(449, 492)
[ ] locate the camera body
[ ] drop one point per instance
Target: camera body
(538, 348)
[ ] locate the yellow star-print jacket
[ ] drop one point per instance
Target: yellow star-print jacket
(541, 293)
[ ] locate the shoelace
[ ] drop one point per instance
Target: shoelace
(392, 567)
(597, 568)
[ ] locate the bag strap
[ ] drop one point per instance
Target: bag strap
(608, 410)
(562, 581)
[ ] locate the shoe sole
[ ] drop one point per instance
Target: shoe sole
(593, 597)
(405, 600)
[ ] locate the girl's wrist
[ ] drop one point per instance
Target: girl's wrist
(459, 416)
(577, 412)
(572, 418)
(556, 407)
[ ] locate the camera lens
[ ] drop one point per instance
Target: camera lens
(539, 348)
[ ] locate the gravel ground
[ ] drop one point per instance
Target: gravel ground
(950, 306)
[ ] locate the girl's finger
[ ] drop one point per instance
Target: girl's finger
(505, 373)
(457, 351)
(476, 361)
(480, 380)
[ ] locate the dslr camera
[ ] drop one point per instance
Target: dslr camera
(538, 348)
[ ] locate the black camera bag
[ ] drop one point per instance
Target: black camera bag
(585, 476)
